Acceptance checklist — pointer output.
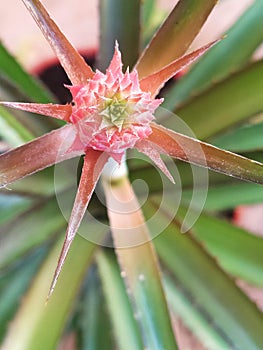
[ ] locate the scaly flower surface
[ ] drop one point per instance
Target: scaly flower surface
(110, 113)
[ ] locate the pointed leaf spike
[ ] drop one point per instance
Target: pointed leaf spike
(153, 152)
(200, 153)
(154, 82)
(116, 62)
(51, 110)
(75, 66)
(93, 164)
(39, 154)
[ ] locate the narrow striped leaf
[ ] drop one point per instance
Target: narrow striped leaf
(233, 315)
(118, 303)
(228, 56)
(29, 328)
(175, 35)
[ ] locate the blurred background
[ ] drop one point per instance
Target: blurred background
(19, 33)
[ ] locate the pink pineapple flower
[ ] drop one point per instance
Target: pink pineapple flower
(110, 113)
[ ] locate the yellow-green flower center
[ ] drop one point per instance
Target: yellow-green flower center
(115, 112)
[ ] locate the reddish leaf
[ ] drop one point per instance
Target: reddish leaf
(75, 66)
(175, 35)
(154, 82)
(153, 152)
(199, 153)
(38, 154)
(93, 164)
(50, 110)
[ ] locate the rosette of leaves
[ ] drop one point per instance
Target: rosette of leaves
(122, 298)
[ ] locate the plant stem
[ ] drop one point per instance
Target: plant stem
(139, 265)
(113, 170)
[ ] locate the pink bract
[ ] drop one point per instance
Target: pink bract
(111, 112)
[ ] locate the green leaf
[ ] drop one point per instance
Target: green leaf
(15, 287)
(228, 56)
(11, 130)
(30, 86)
(183, 306)
(175, 35)
(227, 196)
(256, 155)
(226, 103)
(152, 17)
(120, 309)
(12, 205)
(247, 138)
(39, 185)
(229, 310)
(93, 318)
(39, 326)
(237, 251)
(119, 20)
(138, 264)
(147, 11)
(30, 230)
